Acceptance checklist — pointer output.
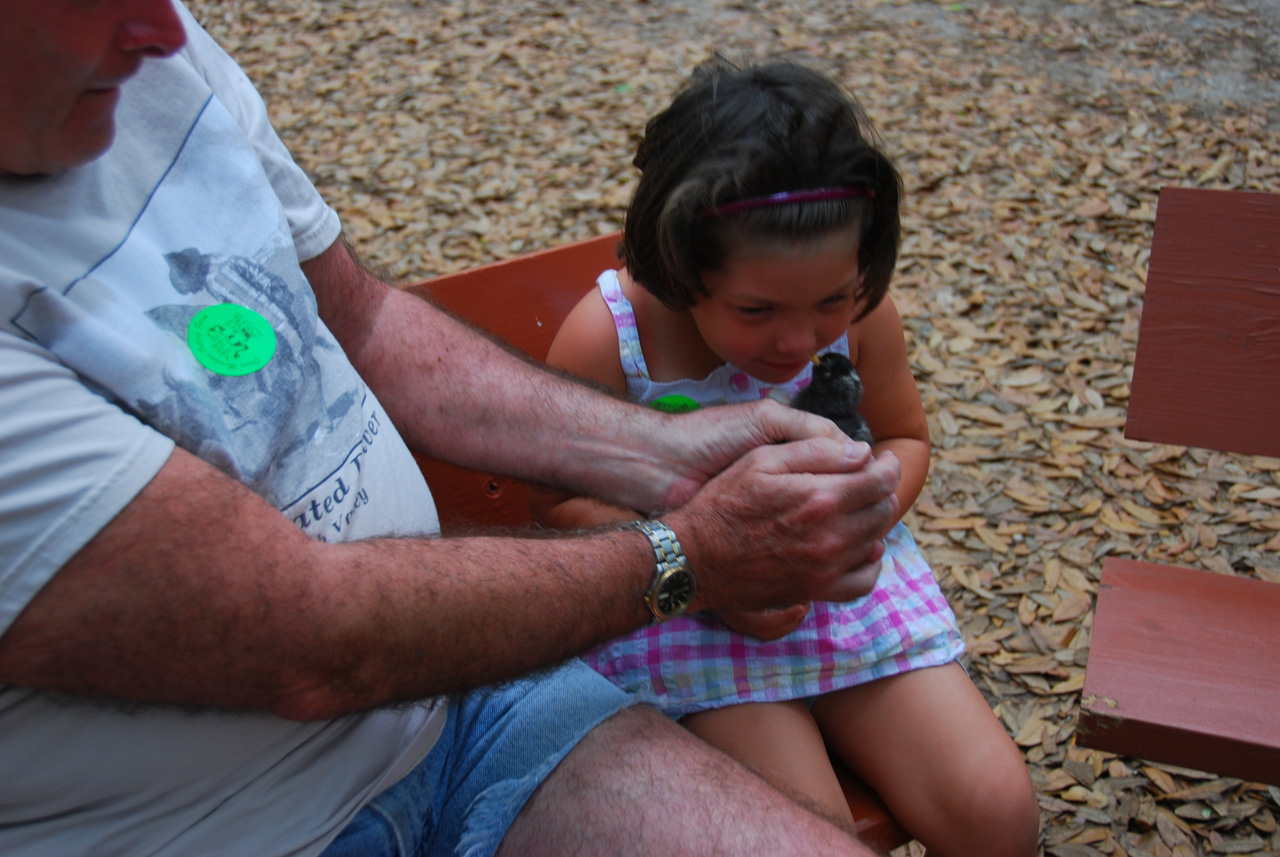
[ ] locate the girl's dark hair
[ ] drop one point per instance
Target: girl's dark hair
(738, 133)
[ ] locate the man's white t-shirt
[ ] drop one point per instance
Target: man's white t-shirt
(196, 204)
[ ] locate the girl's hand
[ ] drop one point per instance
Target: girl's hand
(765, 624)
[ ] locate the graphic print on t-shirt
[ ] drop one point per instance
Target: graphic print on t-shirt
(254, 406)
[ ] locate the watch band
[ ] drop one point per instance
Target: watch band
(669, 562)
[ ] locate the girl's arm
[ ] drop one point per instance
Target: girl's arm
(891, 405)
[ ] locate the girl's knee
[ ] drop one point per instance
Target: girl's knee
(994, 812)
(1005, 811)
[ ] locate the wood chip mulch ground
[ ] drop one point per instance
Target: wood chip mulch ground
(1033, 138)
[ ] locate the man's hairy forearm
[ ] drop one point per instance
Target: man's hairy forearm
(455, 394)
(453, 614)
(165, 605)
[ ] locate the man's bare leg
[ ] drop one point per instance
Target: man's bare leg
(639, 784)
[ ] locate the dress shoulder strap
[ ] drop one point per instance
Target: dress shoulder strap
(624, 321)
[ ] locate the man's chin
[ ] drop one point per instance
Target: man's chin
(57, 158)
(97, 150)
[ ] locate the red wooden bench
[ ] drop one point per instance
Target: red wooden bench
(1184, 665)
(523, 301)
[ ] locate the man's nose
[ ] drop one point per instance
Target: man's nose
(153, 29)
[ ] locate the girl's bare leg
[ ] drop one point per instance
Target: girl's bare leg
(930, 745)
(779, 741)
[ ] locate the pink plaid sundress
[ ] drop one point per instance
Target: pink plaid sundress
(693, 663)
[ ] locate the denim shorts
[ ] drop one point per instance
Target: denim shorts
(498, 745)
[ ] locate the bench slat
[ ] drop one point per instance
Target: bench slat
(1184, 668)
(1207, 371)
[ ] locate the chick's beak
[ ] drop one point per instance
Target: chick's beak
(813, 358)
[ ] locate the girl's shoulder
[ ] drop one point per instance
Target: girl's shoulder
(877, 328)
(586, 344)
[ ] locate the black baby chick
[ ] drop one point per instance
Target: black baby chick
(835, 393)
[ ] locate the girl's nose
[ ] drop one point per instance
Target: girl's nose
(796, 340)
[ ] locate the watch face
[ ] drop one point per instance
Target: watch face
(674, 593)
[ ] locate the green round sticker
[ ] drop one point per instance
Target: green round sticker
(231, 339)
(674, 404)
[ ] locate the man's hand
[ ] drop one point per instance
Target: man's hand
(788, 522)
(706, 441)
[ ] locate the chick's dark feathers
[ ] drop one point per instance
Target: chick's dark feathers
(835, 393)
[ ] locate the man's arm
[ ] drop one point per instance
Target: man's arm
(165, 605)
(455, 394)
(174, 603)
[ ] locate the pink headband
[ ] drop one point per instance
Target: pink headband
(787, 197)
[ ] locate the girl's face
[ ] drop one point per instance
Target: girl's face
(773, 305)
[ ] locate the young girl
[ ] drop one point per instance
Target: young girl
(764, 230)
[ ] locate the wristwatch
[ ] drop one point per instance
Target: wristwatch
(674, 583)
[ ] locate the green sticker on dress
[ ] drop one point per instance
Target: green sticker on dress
(674, 404)
(230, 339)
